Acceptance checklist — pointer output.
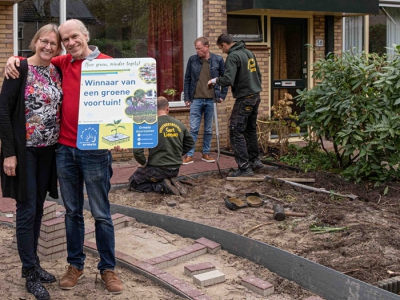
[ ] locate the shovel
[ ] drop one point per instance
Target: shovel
(217, 133)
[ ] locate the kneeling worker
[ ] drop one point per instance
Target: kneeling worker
(164, 161)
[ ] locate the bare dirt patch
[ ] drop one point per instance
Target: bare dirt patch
(366, 250)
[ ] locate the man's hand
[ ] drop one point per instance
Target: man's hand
(10, 165)
(187, 103)
(211, 82)
(220, 100)
(10, 70)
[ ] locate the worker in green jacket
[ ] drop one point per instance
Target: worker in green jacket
(242, 73)
(164, 160)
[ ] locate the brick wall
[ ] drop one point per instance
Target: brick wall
(338, 32)
(6, 36)
(262, 54)
(215, 23)
(319, 33)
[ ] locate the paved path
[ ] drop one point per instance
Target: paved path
(123, 171)
(226, 162)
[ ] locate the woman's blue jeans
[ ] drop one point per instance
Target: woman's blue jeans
(75, 168)
(197, 108)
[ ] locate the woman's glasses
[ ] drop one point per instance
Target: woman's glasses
(44, 43)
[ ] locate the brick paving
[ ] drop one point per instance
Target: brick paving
(226, 162)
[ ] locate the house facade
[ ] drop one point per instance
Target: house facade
(286, 36)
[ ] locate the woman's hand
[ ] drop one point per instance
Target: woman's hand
(10, 166)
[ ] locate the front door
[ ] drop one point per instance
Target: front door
(289, 58)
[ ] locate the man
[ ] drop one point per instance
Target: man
(164, 160)
(243, 75)
(199, 70)
(76, 167)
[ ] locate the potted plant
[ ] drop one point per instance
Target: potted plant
(170, 92)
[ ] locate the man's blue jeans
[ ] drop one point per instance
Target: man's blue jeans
(197, 108)
(92, 167)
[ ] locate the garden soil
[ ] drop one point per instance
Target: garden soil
(367, 247)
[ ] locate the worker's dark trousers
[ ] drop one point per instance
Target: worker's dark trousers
(147, 179)
(243, 130)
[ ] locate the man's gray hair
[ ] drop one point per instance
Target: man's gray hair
(82, 27)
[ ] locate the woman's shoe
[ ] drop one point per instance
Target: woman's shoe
(44, 276)
(34, 286)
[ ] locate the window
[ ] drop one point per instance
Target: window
(141, 28)
(246, 28)
(353, 34)
(384, 30)
(121, 29)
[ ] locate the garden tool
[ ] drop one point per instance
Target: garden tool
(217, 132)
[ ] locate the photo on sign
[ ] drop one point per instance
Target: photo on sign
(142, 106)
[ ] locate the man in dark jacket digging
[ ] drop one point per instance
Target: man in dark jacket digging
(164, 160)
(243, 75)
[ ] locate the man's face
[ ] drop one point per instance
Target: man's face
(202, 50)
(223, 47)
(74, 41)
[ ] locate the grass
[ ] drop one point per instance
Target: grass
(308, 158)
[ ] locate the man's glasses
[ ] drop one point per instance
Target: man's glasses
(44, 43)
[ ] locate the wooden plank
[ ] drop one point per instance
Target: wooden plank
(246, 178)
(305, 180)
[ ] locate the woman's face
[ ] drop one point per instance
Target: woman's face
(47, 46)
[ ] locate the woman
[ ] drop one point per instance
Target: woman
(29, 128)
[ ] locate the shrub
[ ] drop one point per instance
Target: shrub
(355, 105)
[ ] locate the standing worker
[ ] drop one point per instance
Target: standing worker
(200, 69)
(242, 73)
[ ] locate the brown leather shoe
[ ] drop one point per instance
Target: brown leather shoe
(207, 158)
(187, 160)
(70, 278)
(112, 282)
